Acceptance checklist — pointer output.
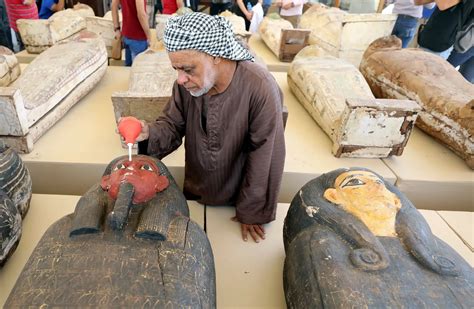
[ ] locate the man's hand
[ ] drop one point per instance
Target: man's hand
(144, 134)
(118, 34)
(255, 230)
(249, 16)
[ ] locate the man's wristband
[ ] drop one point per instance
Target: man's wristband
(117, 28)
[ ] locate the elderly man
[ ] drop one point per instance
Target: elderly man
(230, 110)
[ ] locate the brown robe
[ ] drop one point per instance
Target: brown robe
(235, 154)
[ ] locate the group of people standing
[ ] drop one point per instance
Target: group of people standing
(440, 32)
(29, 9)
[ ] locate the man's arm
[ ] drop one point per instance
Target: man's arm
(442, 4)
(263, 170)
(115, 17)
(143, 18)
(166, 134)
(244, 10)
(58, 6)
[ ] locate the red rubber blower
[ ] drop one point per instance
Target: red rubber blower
(130, 128)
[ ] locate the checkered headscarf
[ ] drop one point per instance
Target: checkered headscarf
(212, 35)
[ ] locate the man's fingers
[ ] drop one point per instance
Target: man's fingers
(260, 231)
(243, 228)
(253, 233)
(234, 219)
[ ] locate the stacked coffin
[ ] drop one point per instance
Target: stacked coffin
(337, 96)
(49, 86)
(40, 34)
(280, 37)
(345, 35)
(150, 87)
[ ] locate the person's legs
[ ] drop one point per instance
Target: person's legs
(214, 9)
(137, 47)
(467, 70)
(465, 61)
(405, 29)
(128, 53)
(19, 41)
(265, 9)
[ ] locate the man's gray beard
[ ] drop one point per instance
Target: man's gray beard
(201, 92)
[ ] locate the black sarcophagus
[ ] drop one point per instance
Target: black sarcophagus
(354, 241)
(15, 196)
(129, 244)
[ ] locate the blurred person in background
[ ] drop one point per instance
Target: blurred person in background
(49, 7)
(20, 9)
(408, 16)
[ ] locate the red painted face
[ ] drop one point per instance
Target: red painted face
(142, 173)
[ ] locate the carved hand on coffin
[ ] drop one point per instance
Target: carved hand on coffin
(417, 237)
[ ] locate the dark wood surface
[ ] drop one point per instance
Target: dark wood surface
(111, 268)
(334, 261)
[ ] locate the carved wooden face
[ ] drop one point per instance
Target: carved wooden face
(364, 195)
(142, 173)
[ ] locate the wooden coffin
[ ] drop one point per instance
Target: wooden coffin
(9, 67)
(336, 256)
(160, 258)
(49, 86)
(336, 95)
(161, 19)
(345, 35)
(104, 28)
(150, 87)
(40, 34)
(15, 196)
(446, 97)
(238, 25)
(280, 37)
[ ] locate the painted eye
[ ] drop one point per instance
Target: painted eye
(120, 166)
(354, 182)
(146, 167)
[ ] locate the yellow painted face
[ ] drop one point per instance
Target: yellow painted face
(364, 195)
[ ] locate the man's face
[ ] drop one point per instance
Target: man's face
(365, 193)
(196, 71)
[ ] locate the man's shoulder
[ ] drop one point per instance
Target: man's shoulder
(255, 70)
